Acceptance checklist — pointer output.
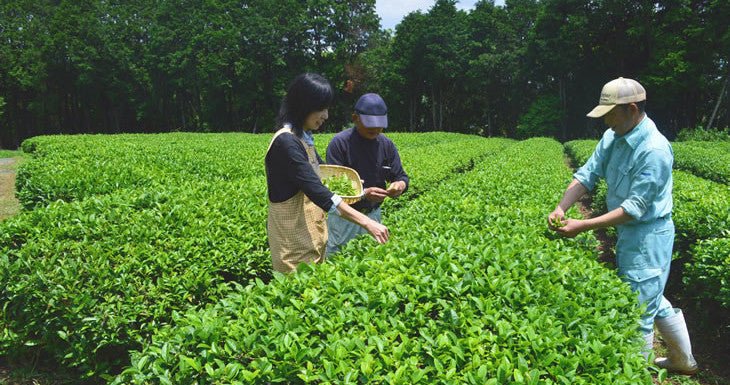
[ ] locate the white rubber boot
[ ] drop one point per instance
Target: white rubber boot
(648, 344)
(679, 349)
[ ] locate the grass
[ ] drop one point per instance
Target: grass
(11, 154)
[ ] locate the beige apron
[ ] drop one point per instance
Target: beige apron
(297, 228)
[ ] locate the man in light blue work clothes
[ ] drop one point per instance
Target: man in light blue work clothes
(636, 160)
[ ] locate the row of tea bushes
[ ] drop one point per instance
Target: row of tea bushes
(709, 272)
(424, 156)
(472, 289)
(702, 208)
(709, 160)
(74, 167)
(77, 166)
(85, 279)
(462, 155)
(701, 214)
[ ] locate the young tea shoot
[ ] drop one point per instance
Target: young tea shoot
(340, 185)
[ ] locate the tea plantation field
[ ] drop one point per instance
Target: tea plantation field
(143, 259)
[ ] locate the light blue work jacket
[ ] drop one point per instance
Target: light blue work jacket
(637, 168)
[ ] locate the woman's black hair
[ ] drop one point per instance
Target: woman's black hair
(307, 93)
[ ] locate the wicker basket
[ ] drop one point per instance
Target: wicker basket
(329, 170)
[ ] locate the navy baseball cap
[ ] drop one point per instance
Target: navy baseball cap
(372, 111)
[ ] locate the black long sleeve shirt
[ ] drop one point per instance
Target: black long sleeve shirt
(288, 171)
(376, 160)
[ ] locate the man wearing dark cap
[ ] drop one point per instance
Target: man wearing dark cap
(374, 157)
(636, 160)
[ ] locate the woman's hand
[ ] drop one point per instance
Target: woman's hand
(378, 231)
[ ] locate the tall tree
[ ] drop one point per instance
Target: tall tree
(446, 39)
(408, 50)
(494, 75)
(22, 69)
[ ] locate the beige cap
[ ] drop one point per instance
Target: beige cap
(618, 91)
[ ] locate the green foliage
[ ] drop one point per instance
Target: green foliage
(469, 291)
(703, 135)
(709, 160)
(708, 275)
(106, 271)
(88, 67)
(702, 208)
(543, 118)
(340, 185)
(128, 229)
(135, 66)
(11, 154)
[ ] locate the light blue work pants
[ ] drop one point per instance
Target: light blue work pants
(644, 255)
(342, 231)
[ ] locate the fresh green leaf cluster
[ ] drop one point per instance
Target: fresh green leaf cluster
(340, 185)
(423, 161)
(580, 150)
(470, 290)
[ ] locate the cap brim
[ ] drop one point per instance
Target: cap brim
(600, 110)
(371, 121)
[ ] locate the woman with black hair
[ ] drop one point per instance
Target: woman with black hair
(298, 200)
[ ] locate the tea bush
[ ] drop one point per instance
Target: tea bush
(709, 160)
(131, 228)
(709, 272)
(472, 289)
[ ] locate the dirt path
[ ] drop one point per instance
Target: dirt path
(9, 205)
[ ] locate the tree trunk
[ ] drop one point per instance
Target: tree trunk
(563, 112)
(489, 125)
(441, 109)
(717, 104)
(412, 113)
(182, 111)
(433, 107)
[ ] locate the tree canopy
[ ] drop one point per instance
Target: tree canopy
(523, 69)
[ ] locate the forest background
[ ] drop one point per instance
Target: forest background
(523, 69)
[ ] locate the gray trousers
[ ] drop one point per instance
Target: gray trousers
(342, 231)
